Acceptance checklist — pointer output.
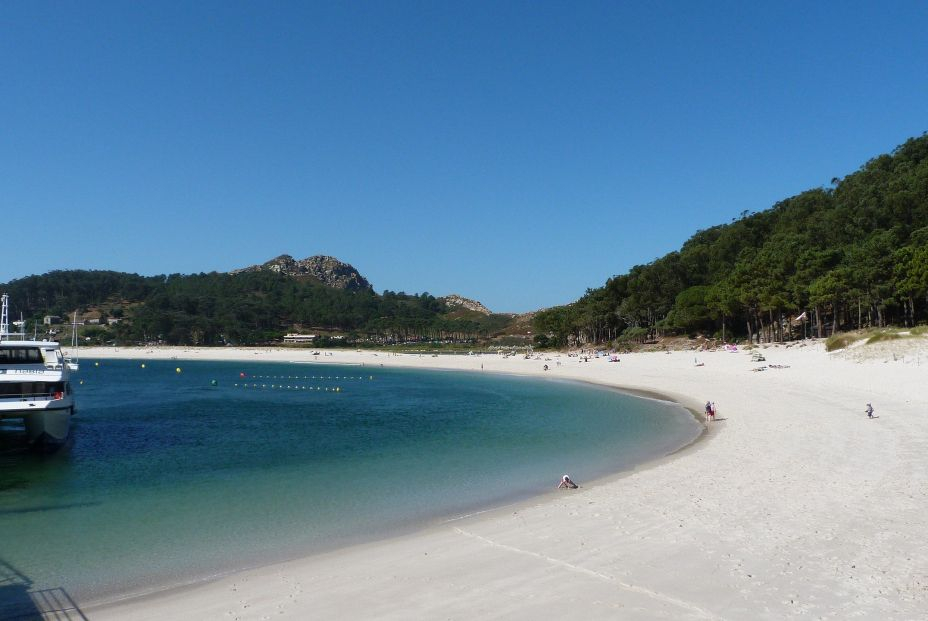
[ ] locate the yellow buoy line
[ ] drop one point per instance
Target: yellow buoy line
(254, 385)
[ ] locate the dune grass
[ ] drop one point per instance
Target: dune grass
(842, 340)
(885, 335)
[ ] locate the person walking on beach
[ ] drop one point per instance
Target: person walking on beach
(869, 411)
(566, 483)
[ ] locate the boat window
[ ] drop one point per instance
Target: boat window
(20, 355)
(32, 389)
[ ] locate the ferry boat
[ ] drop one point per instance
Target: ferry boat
(34, 386)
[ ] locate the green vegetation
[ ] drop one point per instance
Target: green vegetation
(841, 341)
(885, 336)
(850, 256)
(243, 308)
(874, 335)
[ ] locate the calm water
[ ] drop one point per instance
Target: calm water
(170, 478)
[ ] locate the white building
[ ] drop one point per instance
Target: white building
(299, 338)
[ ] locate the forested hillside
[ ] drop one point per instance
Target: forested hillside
(852, 255)
(241, 308)
(848, 256)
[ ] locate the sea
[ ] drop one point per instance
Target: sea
(180, 471)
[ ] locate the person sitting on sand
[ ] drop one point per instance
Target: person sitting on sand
(566, 483)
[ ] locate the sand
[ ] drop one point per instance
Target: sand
(794, 504)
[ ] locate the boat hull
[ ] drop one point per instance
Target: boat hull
(48, 428)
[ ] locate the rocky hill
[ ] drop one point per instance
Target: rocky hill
(327, 270)
(456, 301)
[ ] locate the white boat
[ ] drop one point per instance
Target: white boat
(34, 385)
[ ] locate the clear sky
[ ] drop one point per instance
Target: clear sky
(516, 153)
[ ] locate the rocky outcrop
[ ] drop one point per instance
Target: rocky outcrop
(327, 270)
(456, 301)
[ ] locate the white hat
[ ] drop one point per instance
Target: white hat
(566, 478)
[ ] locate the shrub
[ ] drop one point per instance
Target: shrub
(883, 336)
(840, 341)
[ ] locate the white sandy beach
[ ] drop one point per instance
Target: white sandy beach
(794, 505)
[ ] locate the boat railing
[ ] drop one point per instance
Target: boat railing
(33, 396)
(25, 392)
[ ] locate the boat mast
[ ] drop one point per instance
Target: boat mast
(5, 317)
(77, 356)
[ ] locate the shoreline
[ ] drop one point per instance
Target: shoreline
(397, 532)
(798, 506)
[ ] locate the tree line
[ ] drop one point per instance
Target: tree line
(239, 309)
(836, 258)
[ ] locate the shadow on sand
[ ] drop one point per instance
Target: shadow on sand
(19, 602)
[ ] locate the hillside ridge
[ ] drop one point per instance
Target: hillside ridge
(327, 270)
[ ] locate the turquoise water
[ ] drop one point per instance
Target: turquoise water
(170, 478)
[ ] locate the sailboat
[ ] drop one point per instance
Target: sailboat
(72, 360)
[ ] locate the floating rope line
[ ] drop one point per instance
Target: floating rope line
(306, 377)
(287, 387)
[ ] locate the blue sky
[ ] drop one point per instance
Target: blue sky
(516, 153)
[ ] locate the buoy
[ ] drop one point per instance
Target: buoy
(177, 370)
(143, 365)
(96, 364)
(338, 390)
